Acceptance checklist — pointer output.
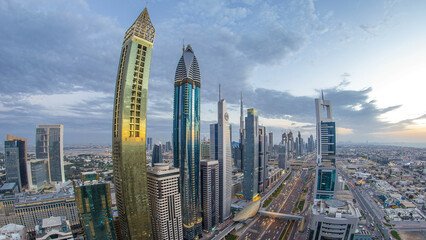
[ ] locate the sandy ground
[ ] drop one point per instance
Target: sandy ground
(412, 235)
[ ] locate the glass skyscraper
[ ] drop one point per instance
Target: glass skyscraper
(15, 159)
(50, 146)
(129, 129)
(326, 176)
(186, 140)
(251, 155)
(93, 199)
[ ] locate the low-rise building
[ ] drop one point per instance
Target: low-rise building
(333, 219)
(13, 232)
(53, 228)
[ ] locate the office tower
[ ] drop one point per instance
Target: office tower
(38, 173)
(168, 146)
(165, 201)
(251, 155)
(210, 194)
(263, 145)
(93, 199)
(157, 154)
(284, 141)
(50, 146)
(237, 155)
(15, 161)
(129, 129)
(220, 149)
(300, 144)
(309, 147)
(149, 143)
(214, 141)
(333, 219)
(186, 140)
(290, 145)
(326, 176)
(271, 142)
(282, 160)
(242, 132)
(205, 150)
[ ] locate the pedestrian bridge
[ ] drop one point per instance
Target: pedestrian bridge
(254, 208)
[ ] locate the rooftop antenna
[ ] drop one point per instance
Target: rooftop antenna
(146, 5)
(220, 94)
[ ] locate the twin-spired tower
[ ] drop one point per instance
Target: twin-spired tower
(186, 140)
(129, 130)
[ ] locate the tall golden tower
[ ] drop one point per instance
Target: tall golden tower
(129, 129)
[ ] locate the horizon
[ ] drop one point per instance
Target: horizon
(60, 61)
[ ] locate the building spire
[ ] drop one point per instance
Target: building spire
(183, 42)
(220, 93)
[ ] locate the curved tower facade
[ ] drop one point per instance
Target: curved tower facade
(186, 140)
(129, 130)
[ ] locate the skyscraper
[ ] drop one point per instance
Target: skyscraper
(263, 158)
(271, 142)
(149, 143)
(129, 129)
(251, 155)
(205, 150)
(225, 160)
(210, 194)
(93, 200)
(310, 144)
(50, 146)
(186, 140)
(15, 161)
(326, 176)
(157, 154)
(165, 201)
(214, 141)
(242, 132)
(283, 156)
(299, 144)
(290, 145)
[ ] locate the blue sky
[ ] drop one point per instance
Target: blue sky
(58, 63)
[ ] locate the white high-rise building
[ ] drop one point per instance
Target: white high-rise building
(220, 149)
(210, 193)
(165, 202)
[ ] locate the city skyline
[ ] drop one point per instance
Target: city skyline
(292, 67)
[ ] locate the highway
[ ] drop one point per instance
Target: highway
(368, 209)
(268, 228)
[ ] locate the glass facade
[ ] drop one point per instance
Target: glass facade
(129, 130)
(11, 163)
(186, 140)
(251, 155)
(326, 176)
(94, 207)
(49, 145)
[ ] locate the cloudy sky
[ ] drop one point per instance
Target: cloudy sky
(58, 64)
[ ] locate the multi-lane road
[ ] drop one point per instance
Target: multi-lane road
(369, 211)
(267, 228)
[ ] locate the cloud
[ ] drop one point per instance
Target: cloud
(59, 64)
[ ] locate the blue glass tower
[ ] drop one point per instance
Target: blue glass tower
(326, 176)
(186, 140)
